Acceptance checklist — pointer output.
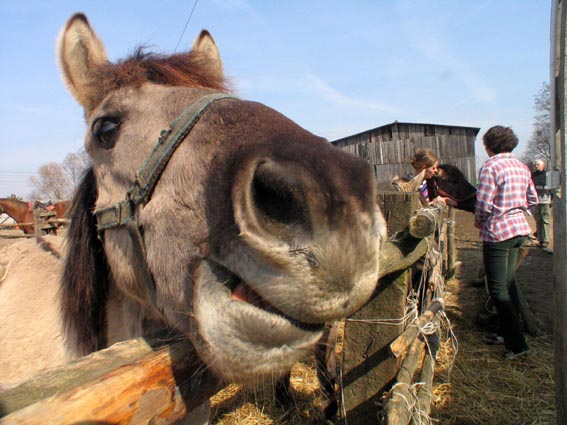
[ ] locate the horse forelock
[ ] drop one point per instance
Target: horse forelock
(181, 69)
(85, 279)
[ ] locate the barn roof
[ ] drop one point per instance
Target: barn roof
(398, 124)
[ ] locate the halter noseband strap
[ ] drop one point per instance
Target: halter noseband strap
(124, 213)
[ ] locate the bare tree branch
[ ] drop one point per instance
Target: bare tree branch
(538, 143)
(58, 181)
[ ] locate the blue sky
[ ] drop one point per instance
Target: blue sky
(335, 67)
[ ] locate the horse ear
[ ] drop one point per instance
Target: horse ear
(408, 186)
(206, 46)
(79, 49)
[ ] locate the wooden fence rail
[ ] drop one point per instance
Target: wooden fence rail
(129, 382)
(43, 224)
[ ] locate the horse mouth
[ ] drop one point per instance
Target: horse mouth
(242, 292)
(241, 336)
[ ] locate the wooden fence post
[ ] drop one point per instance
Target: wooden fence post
(451, 247)
(367, 366)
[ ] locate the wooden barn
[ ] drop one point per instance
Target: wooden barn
(390, 147)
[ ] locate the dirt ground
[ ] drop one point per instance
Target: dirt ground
(473, 384)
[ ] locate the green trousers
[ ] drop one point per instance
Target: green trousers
(542, 216)
(500, 265)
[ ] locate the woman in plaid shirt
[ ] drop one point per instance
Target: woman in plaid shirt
(504, 194)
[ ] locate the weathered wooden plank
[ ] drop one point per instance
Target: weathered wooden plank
(451, 246)
(55, 381)
(424, 222)
(425, 390)
(367, 367)
(558, 142)
(397, 207)
(127, 383)
(400, 345)
(400, 403)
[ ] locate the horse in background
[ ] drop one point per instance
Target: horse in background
(23, 212)
(450, 182)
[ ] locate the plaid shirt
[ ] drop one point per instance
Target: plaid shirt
(505, 192)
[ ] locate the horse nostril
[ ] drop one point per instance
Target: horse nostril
(280, 203)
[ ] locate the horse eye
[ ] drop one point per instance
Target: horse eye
(105, 130)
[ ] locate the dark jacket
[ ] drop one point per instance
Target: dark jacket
(543, 194)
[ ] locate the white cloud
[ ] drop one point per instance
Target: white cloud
(429, 40)
(331, 94)
(434, 49)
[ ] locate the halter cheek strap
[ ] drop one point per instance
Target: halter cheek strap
(123, 214)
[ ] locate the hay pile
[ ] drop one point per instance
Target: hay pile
(255, 406)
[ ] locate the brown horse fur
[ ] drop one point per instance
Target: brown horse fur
(199, 68)
(31, 336)
(21, 212)
(256, 234)
(451, 182)
(403, 184)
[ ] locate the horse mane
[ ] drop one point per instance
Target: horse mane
(181, 69)
(453, 171)
(85, 279)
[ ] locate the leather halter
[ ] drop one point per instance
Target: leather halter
(124, 213)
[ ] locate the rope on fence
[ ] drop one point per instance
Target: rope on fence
(423, 243)
(410, 315)
(420, 339)
(402, 397)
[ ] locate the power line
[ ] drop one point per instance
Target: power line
(186, 23)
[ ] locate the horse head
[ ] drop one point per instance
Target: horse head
(254, 233)
(451, 182)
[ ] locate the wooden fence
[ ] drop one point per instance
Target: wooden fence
(390, 345)
(44, 222)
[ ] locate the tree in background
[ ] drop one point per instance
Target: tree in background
(538, 144)
(74, 166)
(58, 181)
